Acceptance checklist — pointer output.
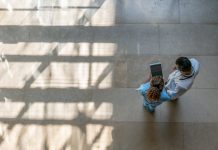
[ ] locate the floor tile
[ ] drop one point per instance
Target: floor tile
(198, 11)
(197, 105)
(128, 135)
(200, 136)
(147, 11)
(188, 39)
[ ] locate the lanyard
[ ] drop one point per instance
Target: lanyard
(188, 76)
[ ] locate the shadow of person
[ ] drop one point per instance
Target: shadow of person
(174, 127)
(173, 107)
(134, 135)
(140, 135)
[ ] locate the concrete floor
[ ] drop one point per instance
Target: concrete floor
(69, 70)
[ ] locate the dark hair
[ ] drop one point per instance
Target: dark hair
(153, 94)
(184, 64)
(157, 82)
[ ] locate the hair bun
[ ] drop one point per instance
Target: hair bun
(153, 94)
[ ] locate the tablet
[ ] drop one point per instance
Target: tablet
(156, 69)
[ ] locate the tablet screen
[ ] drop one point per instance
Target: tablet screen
(156, 69)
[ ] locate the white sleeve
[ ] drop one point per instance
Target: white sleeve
(195, 65)
(177, 92)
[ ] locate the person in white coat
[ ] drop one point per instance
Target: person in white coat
(182, 78)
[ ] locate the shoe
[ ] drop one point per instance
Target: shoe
(148, 108)
(173, 100)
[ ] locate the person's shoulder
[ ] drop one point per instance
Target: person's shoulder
(194, 61)
(195, 65)
(144, 87)
(147, 85)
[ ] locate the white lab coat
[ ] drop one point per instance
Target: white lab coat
(178, 84)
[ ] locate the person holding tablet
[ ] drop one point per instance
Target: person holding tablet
(153, 93)
(153, 90)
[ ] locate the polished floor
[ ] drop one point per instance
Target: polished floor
(69, 70)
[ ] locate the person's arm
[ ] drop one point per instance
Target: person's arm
(177, 92)
(195, 65)
(143, 88)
